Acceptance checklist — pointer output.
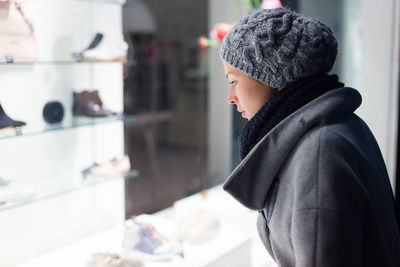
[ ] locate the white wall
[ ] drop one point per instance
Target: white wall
(351, 45)
(219, 111)
(380, 75)
(51, 162)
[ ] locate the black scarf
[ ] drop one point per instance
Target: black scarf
(282, 104)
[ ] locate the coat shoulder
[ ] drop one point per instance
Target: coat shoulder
(339, 136)
(327, 165)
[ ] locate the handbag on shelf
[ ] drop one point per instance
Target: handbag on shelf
(4, 9)
(17, 40)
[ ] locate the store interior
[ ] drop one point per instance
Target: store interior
(116, 137)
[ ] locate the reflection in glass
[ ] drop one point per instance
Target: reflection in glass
(168, 86)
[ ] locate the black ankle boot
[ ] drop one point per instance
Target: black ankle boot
(6, 121)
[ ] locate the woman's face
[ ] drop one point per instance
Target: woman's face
(246, 93)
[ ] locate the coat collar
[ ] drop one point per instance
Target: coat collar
(251, 179)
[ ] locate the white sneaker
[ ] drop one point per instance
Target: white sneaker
(198, 227)
(10, 192)
(111, 48)
(144, 240)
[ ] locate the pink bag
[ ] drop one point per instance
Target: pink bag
(17, 41)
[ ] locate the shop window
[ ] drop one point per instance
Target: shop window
(165, 88)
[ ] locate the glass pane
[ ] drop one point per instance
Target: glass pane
(50, 157)
(168, 86)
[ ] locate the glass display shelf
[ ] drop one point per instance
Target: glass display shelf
(75, 122)
(63, 62)
(124, 4)
(50, 188)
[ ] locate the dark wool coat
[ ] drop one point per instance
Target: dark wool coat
(320, 183)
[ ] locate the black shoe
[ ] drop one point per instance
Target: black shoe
(95, 42)
(6, 122)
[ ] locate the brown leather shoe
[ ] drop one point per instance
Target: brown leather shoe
(89, 104)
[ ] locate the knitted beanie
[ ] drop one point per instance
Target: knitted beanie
(279, 46)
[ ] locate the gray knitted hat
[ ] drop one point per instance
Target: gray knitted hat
(279, 46)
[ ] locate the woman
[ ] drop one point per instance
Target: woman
(310, 166)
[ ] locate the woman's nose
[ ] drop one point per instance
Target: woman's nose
(232, 98)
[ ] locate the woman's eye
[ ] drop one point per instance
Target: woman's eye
(234, 82)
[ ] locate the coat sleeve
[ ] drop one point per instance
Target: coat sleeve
(326, 238)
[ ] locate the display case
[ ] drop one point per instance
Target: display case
(48, 200)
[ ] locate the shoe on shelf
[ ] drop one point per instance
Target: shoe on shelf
(11, 192)
(93, 44)
(111, 168)
(113, 260)
(104, 48)
(199, 227)
(89, 104)
(8, 125)
(144, 240)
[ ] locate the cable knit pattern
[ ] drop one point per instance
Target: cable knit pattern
(279, 46)
(282, 104)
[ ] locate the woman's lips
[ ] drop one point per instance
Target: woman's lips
(243, 112)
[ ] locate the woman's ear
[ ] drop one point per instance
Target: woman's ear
(274, 89)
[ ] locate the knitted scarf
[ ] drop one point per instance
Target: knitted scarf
(282, 104)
